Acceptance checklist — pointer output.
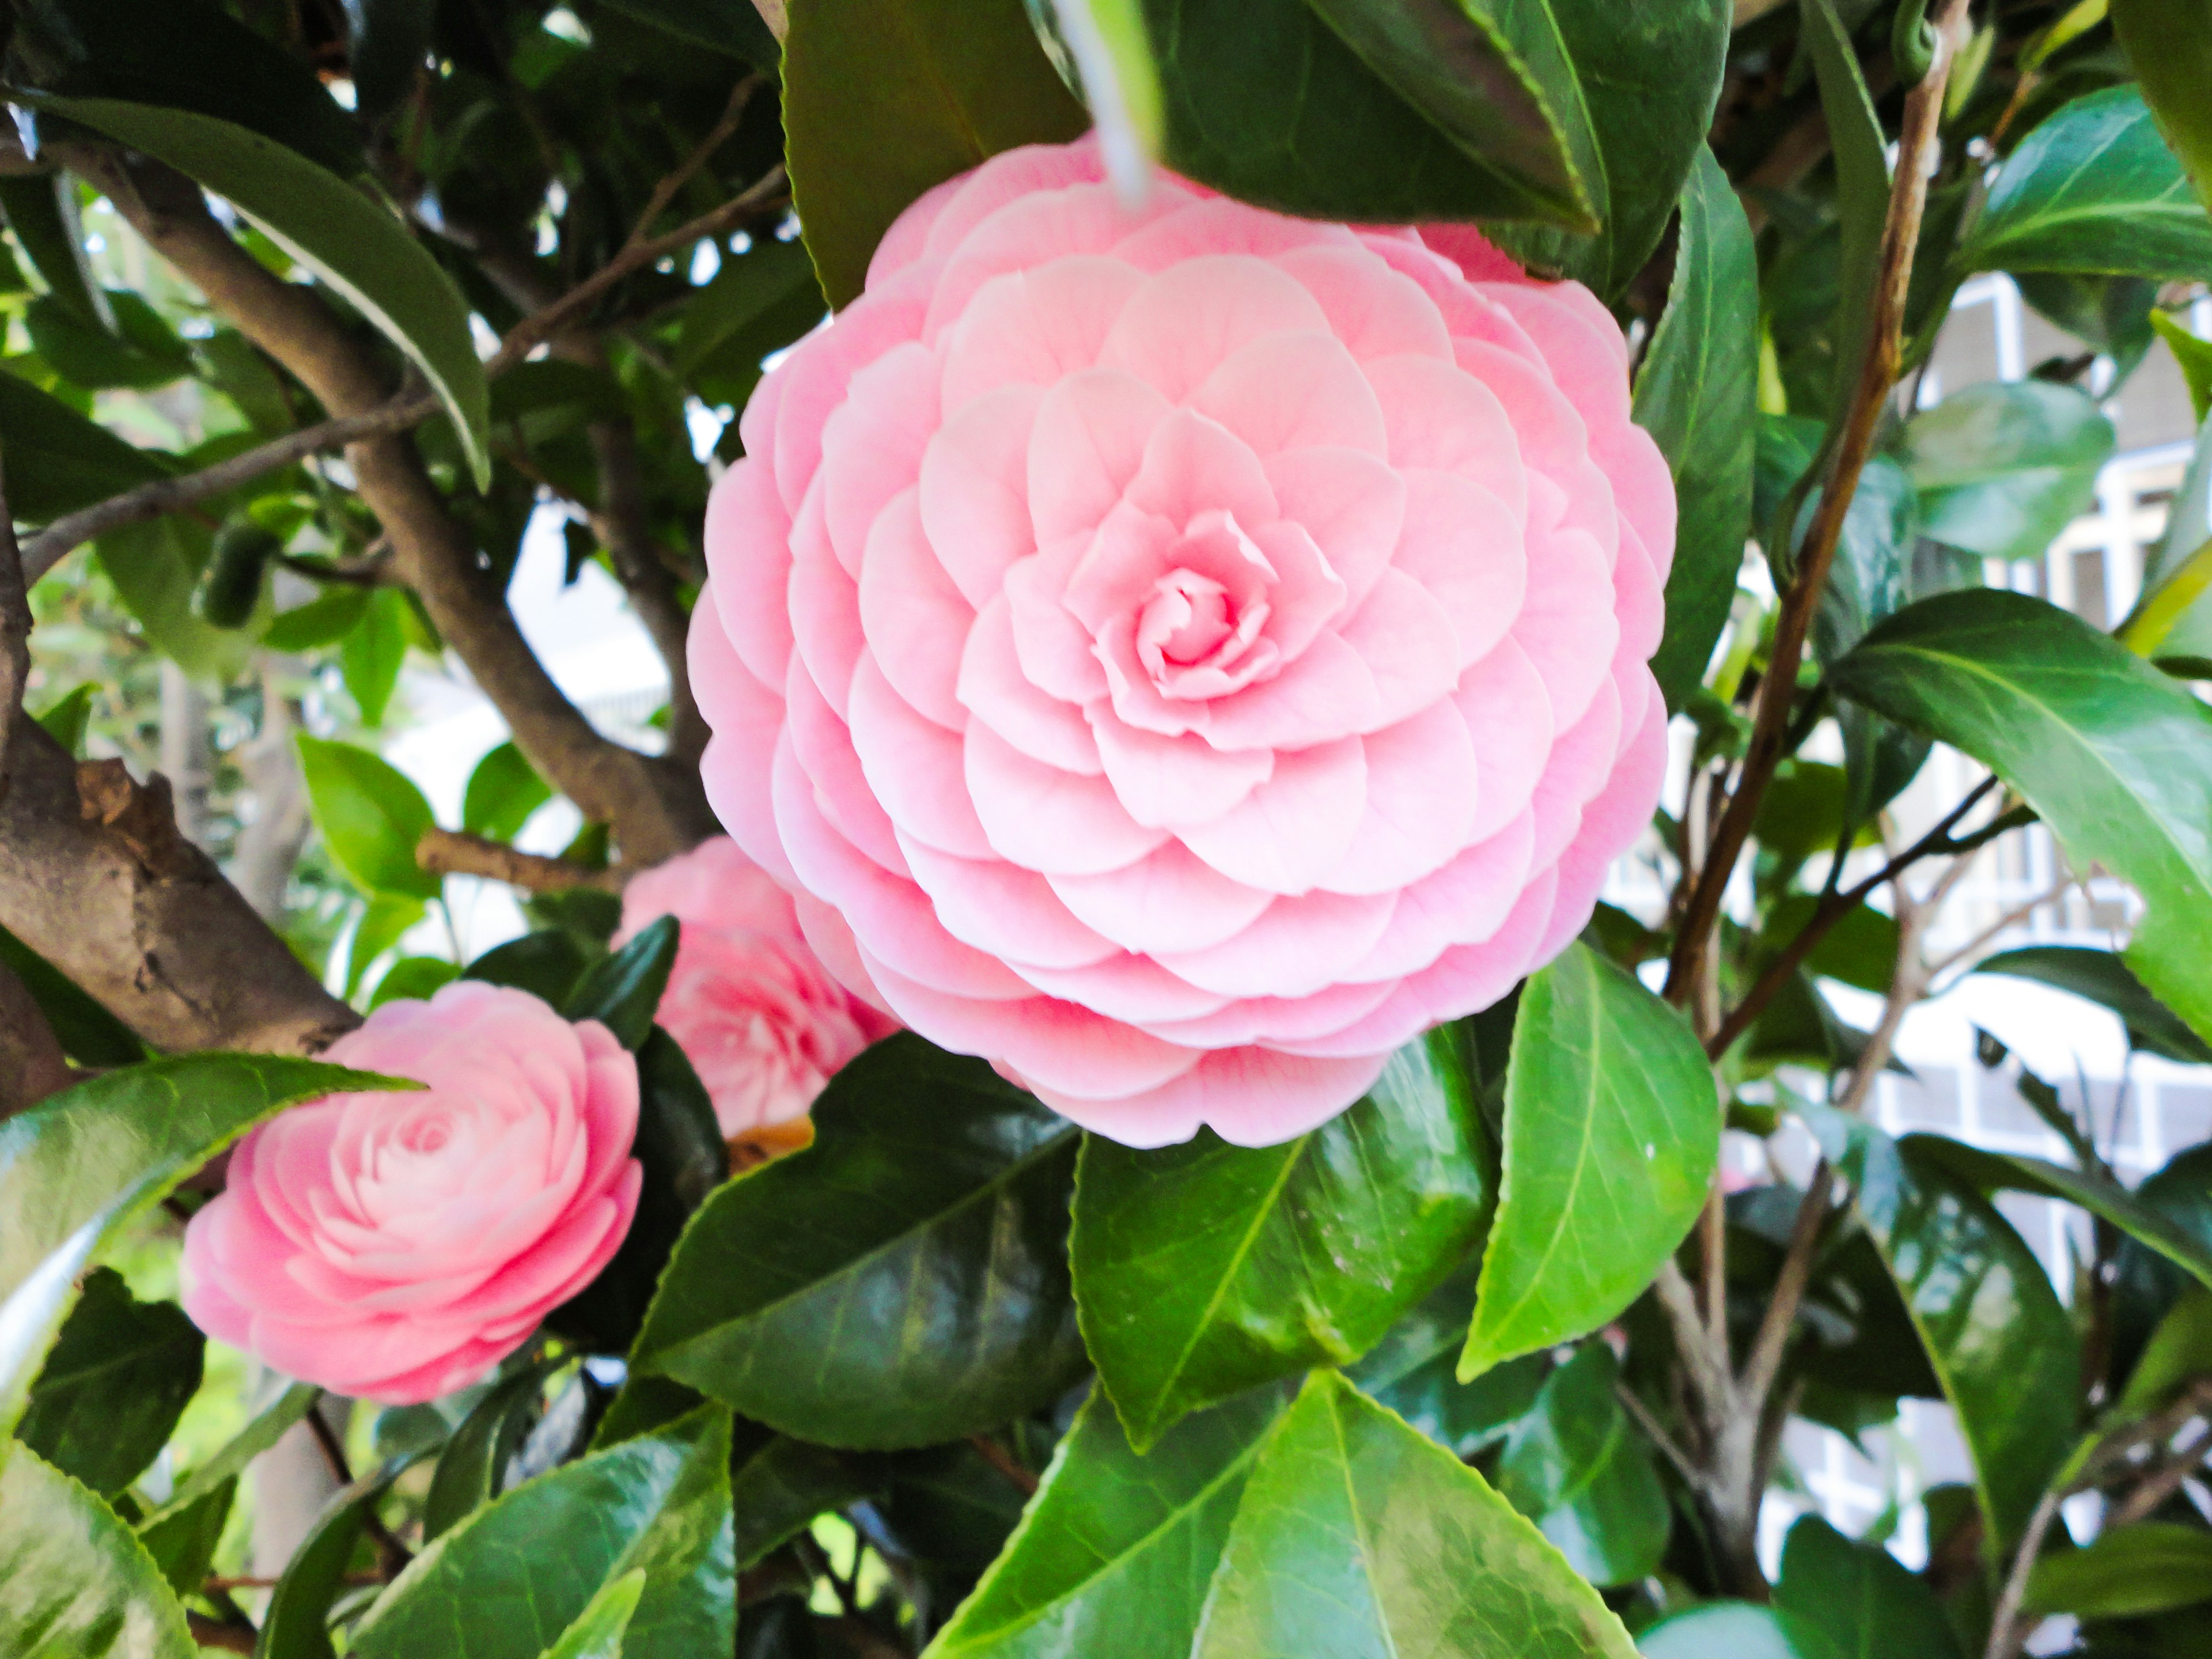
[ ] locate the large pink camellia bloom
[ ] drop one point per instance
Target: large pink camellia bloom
(762, 1022)
(1182, 654)
(397, 1247)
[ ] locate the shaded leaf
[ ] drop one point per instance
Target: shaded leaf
(2003, 468)
(1612, 1134)
(1414, 1370)
(60, 460)
(1733, 1630)
(1582, 1472)
(732, 28)
(295, 1626)
(474, 1462)
(155, 565)
(2103, 978)
(1860, 1596)
(621, 991)
(117, 1380)
(387, 51)
(547, 963)
(759, 299)
(782, 1485)
(74, 1583)
(1203, 1269)
(1856, 136)
(88, 1034)
(42, 211)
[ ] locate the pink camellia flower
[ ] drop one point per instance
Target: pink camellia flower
(397, 1247)
(1182, 654)
(761, 1020)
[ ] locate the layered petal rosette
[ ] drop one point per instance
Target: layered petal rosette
(1182, 654)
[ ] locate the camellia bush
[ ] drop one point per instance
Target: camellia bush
(1076, 1094)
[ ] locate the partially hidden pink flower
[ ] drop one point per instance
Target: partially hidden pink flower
(761, 1020)
(1182, 654)
(396, 1246)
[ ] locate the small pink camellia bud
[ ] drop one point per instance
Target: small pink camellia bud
(1181, 653)
(761, 1020)
(396, 1246)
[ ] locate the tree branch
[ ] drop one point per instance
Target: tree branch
(1877, 375)
(14, 630)
(447, 852)
(31, 1064)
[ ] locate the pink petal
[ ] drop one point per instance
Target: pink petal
(1011, 913)
(1327, 693)
(1554, 439)
(1168, 901)
(1215, 227)
(914, 619)
(1128, 987)
(1251, 1097)
(1374, 310)
(825, 607)
(994, 688)
(747, 718)
(1473, 252)
(1045, 819)
(1611, 824)
(1034, 327)
(1443, 418)
(1167, 782)
(1266, 1020)
(1508, 719)
(1085, 446)
(1639, 597)
(1463, 545)
(1298, 947)
(1581, 761)
(1645, 491)
(1012, 176)
(1294, 391)
(749, 556)
(1462, 903)
(823, 749)
(1053, 648)
(1193, 465)
(913, 767)
(821, 367)
(1422, 785)
(830, 938)
(1567, 624)
(1409, 643)
(873, 447)
(975, 483)
(1194, 315)
(1352, 505)
(1029, 231)
(1294, 829)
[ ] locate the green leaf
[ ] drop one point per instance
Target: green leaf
(1114, 1553)
(142, 352)
(373, 652)
(118, 1378)
(776, 1490)
(2172, 50)
(1861, 949)
(66, 718)
(883, 98)
(1696, 394)
(88, 1034)
(2195, 357)
(502, 791)
(731, 27)
(1733, 1630)
(2093, 189)
(1862, 184)
(1358, 1537)
(680, 1146)
(1203, 1269)
(414, 979)
(1414, 1371)
(42, 211)
(599, 1628)
(623, 991)
(156, 564)
(2115, 757)
(1454, 65)
(1860, 1596)
(186, 55)
(295, 1626)
(86, 1162)
(508, 1581)
(2103, 978)
(59, 460)
(546, 964)
(2151, 1567)
(181, 1536)
(759, 299)
(1641, 82)
(385, 921)
(1581, 1471)
(371, 817)
(2178, 1353)
(2003, 1346)
(474, 1461)
(74, 1583)
(324, 620)
(352, 242)
(1613, 1131)
(901, 1281)
(2003, 469)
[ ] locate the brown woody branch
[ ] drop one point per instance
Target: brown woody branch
(1877, 377)
(31, 1064)
(449, 853)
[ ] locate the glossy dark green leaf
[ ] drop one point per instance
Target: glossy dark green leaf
(900, 1282)
(783, 1484)
(59, 460)
(1414, 1369)
(731, 27)
(503, 791)
(296, 1624)
(1733, 1630)
(621, 991)
(1456, 65)
(2115, 757)
(1860, 1596)
(82, 1164)
(42, 211)
(2002, 468)
(371, 816)
(74, 1583)
(350, 241)
(505, 1582)
(2002, 1345)
(1103, 53)
(1115, 1552)
(88, 1034)
(118, 1379)
(474, 1462)
(1613, 1132)
(547, 963)
(1204, 1269)
(680, 1148)
(2153, 1566)
(2178, 1353)
(758, 300)
(1862, 183)
(2171, 51)
(2103, 978)
(2111, 315)
(1642, 81)
(2094, 189)
(883, 98)
(1579, 1469)
(1361, 1538)
(185, 55)
(1696, 394)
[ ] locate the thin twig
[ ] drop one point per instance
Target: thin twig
(2160, 1483)
(1877, 376)
(1653, 1427)
(15, 627)
(2004, 923)
(1764, 1362)
(664, 193)
(1004, 1460)
(449, 853)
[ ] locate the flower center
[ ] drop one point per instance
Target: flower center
(1186, 618)
(1202, 628)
